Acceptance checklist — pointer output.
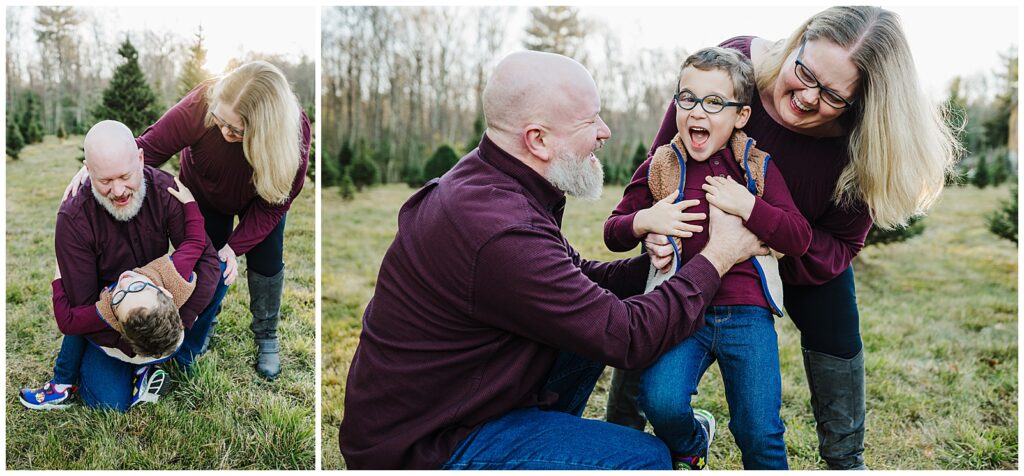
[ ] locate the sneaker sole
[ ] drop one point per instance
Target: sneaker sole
(43, 406)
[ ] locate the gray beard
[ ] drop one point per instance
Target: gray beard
(123, 213)
(575, 176)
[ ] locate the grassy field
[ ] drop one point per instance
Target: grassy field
(939, 321)
(223, 416)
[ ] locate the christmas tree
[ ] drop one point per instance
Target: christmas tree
(128, 98)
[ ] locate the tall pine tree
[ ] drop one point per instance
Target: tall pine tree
(556, 30)
(128, 98)
(193, 73)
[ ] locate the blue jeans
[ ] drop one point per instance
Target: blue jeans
(557, 438)
(105, 382)
(743, 341)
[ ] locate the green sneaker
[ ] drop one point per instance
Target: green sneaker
(698, 462)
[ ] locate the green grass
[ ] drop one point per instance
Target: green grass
(223, 416)
(939, 322)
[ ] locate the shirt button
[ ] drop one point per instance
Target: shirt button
(716, 162)
(721, 175)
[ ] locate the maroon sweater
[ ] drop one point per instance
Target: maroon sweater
(93, 249)
(774, 219)
(811, 167)
(475, 298)
(216, 170)
(184, 258)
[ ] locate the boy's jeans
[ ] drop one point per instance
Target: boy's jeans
(107, 382)
(531, 438)
(743, 340)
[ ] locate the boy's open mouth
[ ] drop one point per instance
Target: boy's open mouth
(699, 136)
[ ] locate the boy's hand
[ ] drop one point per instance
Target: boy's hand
(729, 196)
(183, 194)
(667, 218)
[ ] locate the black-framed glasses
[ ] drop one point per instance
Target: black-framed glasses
(222, 123)
(133, 287)
(712, 103)
(828, 95)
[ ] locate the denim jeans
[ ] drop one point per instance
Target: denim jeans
(743, 341)
(557, 438)
(105, 382)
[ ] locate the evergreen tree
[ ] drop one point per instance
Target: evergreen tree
(347, 188)
(345, 155)
(412, 175)
(31, 123)
(555, 30)
(128, 98)
(193, 72)
(15, 141)
(62, 133)
(332, 172)
(982, 176)
(1003, 222)
(478, 132)
(363, 172)
(1000, 170)
(639, 156)
(879, 235)
(443, 160)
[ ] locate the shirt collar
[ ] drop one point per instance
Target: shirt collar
(547, 194)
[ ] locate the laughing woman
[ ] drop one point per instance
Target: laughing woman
(244, 143)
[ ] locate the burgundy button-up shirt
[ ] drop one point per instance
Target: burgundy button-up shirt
(93, 249)
(475, 298)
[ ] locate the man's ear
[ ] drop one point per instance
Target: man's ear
(535, 138)
(142, 155)
(742, 117)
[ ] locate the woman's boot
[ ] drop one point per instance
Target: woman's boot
(265, 306)
(837, 397)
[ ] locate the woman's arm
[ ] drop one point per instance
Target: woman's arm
(181, 126)
(837, 236)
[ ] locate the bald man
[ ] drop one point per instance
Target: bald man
(127, 220)
(487, 331)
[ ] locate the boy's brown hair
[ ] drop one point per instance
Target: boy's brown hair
(724, 59)
(153, 331)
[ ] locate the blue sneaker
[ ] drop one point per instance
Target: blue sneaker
(149, 385)
(47, 397)
(698, 462)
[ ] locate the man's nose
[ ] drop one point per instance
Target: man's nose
(603, 131)
(119, 188)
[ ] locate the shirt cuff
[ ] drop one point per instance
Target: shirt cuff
(702, 274)
(619, 233)
(764, 219)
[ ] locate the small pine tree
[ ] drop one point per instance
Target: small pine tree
(363, 172)
(639, 156)
(31, 123)
(1000, 170)
(1003, 222)
(193, 72)
(128, 98)
(443, 160)
(478, 132)
(332, 172)
(15, 141)
(981, 178)
(62, 133)
(412, 175)
(879, 235)
(347, 188)
(345, 155)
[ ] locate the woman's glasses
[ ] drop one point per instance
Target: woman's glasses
(828, 95)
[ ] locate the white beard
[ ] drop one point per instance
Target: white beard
(574, 175)
(127, 212)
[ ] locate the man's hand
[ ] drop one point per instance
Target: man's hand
(667, 218)
(660, 251)
(183, 194)
(76, 182)
(729, 196)
(227, 255)
(730, 242)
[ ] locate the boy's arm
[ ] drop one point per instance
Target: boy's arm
(618, 228)
(776, 220)
(74, 320)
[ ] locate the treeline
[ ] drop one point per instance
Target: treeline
(403, 84)
(72, 80)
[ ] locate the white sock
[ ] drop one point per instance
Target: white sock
(60, 387)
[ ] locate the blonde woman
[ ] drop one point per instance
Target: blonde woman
(839, 106)
(244, 144)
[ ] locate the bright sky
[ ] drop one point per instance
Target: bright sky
(230, 32)
(946, 41)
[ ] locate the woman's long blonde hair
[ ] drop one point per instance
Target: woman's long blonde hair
(900, 146)
(259, 93)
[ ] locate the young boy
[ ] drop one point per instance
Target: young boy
(709, 160)
(142, 305)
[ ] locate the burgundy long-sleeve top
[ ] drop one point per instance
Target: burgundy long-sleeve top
(216, 170)
(475, 298)
(774, 219)
(93, 249)
(184, 258)
(811, 167)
